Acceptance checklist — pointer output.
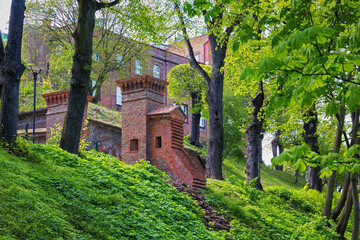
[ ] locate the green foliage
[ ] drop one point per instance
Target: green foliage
(26, 92)
(277, 213)
(50, 194)
(55, 136)
(236, 119)
(185, 82)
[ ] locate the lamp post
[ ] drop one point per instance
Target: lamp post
(35, 70)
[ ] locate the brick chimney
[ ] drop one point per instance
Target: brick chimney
(141, 95)
(56, 103)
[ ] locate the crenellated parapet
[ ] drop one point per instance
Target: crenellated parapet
(56, 98)
(133, 84)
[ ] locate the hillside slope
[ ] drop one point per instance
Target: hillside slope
(51, 194)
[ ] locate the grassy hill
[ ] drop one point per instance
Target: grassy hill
(51, 194)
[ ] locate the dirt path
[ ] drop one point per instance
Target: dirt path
(213, 219)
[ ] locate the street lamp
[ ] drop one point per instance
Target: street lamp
(35, 70)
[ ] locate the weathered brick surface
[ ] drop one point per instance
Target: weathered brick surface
(201, 47)
(26, 118)
(141, 95)
(105, 136)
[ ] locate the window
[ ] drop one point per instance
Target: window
(93, 85)
(119, 58)
(202, 121)
(134, 145)
(118, 96)
(184, 107)
(95, 57)
(138, 67)
(158, 142)
(156, 71)
(197, 57)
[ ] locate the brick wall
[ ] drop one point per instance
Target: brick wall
(141, 94)
(170, 156)
(56, 103)
(105, 136)
(26, 118)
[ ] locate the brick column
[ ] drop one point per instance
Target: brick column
(141, 94)
(56, 103)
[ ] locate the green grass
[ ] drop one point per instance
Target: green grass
(276, 213)
(51, 194)
(235, 168)
(284, 210)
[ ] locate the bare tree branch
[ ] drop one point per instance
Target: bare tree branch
(100, 5)
(193, 61)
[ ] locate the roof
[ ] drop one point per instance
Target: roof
(165, 110)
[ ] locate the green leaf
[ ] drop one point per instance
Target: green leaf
(352, 151)
(326, 172)
(268, 64)
(332, 108)
(352, 97)
(308, 99)
(315, 83)
(235, 46)
(300, 164)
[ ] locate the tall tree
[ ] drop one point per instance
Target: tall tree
(11, 70)
(310, 137)
(185, 82)
(114, 43)
(222, 19)
(81, 70)
(254, 138)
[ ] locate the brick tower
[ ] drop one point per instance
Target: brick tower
(141, 94)
(154, 132)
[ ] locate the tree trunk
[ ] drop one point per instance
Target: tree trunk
(195, 121)
(81, 70)
(11, 71)
(356, 213)
(344, 219)
(331, 180)
(254, 139)
(352, 196)
(354, 178)
(310, 138)
(215, 99)
(275, 145)
(341, 203)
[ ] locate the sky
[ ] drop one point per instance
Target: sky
(4, 14)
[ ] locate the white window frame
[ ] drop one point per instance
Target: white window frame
(156, 74)
(93, 83)
(138, 67)
(118, 96)
(185, 109)
(202, 121)
(119, 58)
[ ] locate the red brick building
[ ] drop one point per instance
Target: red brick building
(151, 128)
